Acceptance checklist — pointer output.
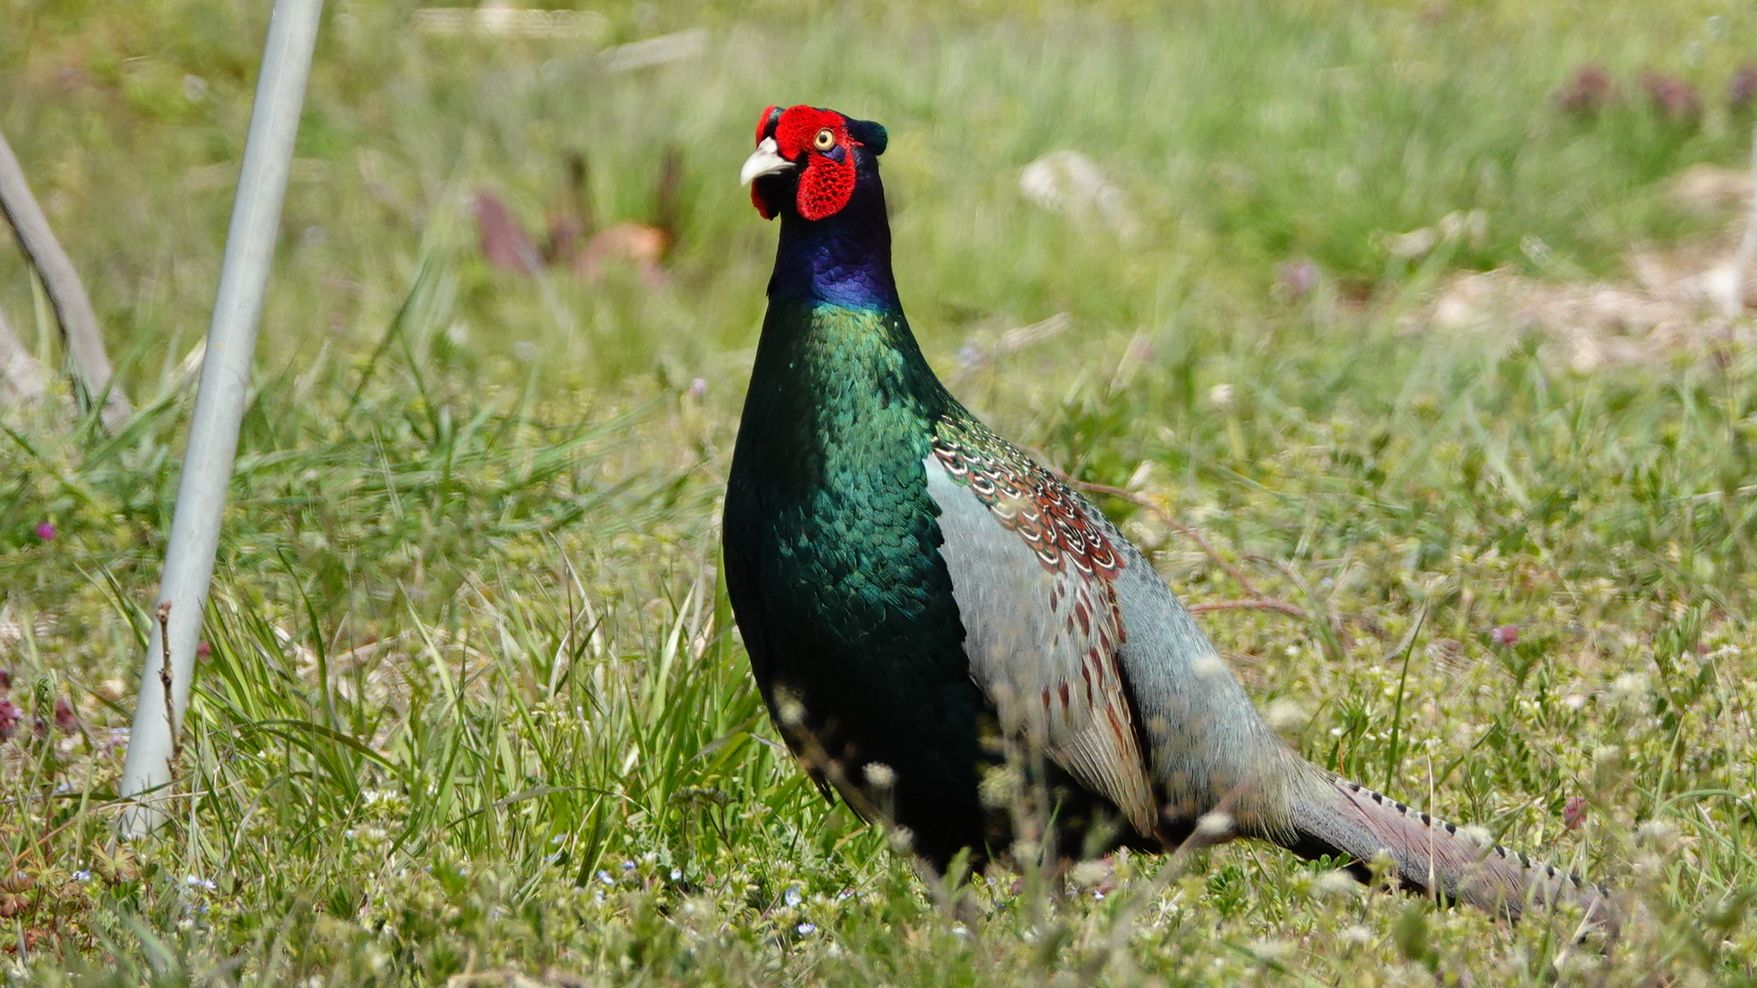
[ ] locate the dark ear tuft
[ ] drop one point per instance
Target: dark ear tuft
(870, 135)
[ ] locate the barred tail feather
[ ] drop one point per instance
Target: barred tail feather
(1341, 818)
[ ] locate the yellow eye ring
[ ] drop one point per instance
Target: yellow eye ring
(824, 140)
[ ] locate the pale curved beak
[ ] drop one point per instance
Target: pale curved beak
(765, 160)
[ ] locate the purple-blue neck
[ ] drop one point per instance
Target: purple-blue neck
(844, 259)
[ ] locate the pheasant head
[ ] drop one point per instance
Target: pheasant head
(809, 161)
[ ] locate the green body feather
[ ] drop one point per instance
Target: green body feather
(831, 546)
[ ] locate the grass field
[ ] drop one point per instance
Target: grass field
(473, 706)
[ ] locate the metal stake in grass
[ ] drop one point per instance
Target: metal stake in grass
(219, 408)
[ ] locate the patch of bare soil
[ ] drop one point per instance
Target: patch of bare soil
(1677, 299)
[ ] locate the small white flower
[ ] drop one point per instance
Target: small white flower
(82, 875)
(1659, 834)
(1337, 883)
(806, 929)
(1357, 935)
(1285, 714)
(1630, 687)
(793, 897)
(1089, 873)
(1271, 951)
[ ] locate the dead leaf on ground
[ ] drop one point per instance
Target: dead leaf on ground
(505, 244)
(641, 246)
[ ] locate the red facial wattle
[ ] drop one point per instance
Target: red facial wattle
(765, 124)
(762, 205)
(822, 152)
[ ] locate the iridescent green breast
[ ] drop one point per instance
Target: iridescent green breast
(833, 568)
(827, 496)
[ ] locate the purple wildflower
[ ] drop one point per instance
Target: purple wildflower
(1741, 89)
(1589, 92)
(1574, 812)
(65, 718)
(1297, 278)
(1673, 98)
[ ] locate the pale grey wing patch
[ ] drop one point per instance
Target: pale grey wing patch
(1043, 644)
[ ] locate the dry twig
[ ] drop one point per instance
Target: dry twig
(165, 681)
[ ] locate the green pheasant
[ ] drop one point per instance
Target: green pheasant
(964, 648)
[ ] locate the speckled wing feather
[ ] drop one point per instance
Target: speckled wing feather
(1033, 570)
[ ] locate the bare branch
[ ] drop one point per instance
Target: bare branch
(73, 310)
(1274, 605)
(165, 681)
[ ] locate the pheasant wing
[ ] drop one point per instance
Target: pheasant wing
(1033, 571)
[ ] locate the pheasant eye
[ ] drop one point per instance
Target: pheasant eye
(824, 140)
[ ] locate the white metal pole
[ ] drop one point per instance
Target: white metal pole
(219, 408)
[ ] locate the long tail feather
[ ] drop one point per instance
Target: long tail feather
(1337, 817)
